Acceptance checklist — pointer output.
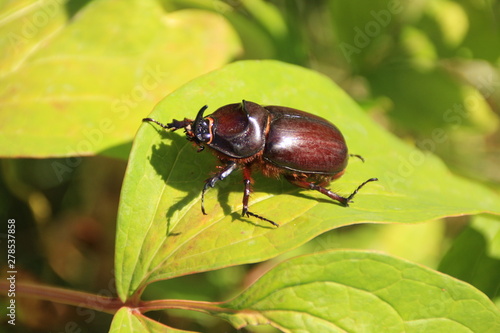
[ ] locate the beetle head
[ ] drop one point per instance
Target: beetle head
(201, 128)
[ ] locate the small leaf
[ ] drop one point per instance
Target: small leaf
(162, 233)
(480, 35)
(455, 104)
(350, 291)
(77, 87)
(489, 227)
(469, 258)
(127, 320)
(451, 19)
(364, 30)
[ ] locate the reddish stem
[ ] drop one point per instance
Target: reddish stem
(66, 296)
(107, 304)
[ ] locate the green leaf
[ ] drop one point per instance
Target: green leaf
(127, 320)
(454, 104)
(489, 227)
(396, 239)
(365, 30)
(256, 41)
(162, 233)
(77, 87)
(470, 259)
(350, 291)
(481, 35)
(451, 19)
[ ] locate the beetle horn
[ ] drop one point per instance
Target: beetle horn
(199, 116)
(201, 127)
(244, 107)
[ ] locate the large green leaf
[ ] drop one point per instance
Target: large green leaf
(72, 85)
(162, 233)
(348, 291)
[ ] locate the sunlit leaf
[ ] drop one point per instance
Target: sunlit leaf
(348, 291)
(453, 104)
(363, 29)
(451, 19)
(74, 86)
(162, 233)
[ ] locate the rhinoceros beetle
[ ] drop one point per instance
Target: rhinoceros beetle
(307, 150)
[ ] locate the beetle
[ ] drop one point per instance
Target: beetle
(306, 149)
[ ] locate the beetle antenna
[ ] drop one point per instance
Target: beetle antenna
(174, 125)
(358, 156)
(156, 122)
(359, 187)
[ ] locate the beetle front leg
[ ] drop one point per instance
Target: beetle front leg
(221, 175)
(247, 180)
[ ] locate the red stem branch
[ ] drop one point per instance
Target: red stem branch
(107, 304)
(65, 296)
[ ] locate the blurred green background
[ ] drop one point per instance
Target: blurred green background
(426, 70)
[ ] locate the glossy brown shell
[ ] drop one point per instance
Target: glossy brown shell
(302, 142)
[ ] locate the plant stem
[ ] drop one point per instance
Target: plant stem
(108, 304)
(66, 296)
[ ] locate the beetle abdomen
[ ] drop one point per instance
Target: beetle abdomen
(301, 142)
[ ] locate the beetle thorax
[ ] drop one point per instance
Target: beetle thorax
(237, 130)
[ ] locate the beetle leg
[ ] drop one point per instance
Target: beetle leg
(316, 187)
(358, 156)
(210, 182)
(359, 187)
(327, 192)
(247, 180)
